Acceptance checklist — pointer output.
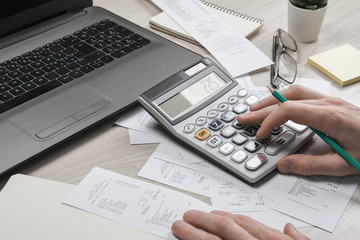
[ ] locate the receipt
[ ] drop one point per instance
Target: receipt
(318, 200)
(132, 202)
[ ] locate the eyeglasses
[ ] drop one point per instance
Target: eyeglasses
(284, 69)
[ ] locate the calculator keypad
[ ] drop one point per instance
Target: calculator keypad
(217, 130)
(231, 133)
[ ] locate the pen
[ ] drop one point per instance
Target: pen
(323, 136)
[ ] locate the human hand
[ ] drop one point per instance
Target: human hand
(199, 225)
(338, 119)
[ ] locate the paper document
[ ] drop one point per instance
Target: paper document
(138, 137)
(132, 202)
(237, 54)
(318, 200)
(139, 119)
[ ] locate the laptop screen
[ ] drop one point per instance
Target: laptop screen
(16, 15)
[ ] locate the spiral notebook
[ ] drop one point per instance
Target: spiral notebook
(243, 23)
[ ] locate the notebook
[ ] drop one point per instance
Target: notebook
(340, 64)
(31, 208)
(243, 23)
(66, 65)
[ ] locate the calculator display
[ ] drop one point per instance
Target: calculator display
(192, 94)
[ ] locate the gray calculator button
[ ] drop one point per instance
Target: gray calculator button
(240, 108)
(295, 126)
(277, 130)
(216, 125)
(251, 130)
(280, 142)
(214, 141)
(233, 99)
(255, 162)
(252, 146)
(223, 107)
(189, 128)
(228, 116)
(227, 131)
(239, 156)
(212, 113)
(251, 100)
(200, 121)
(239, 139)
(242, 93)
(264, 140)
(226, 148)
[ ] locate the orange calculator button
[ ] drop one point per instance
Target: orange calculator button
(202, 134)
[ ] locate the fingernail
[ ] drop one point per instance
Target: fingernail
(254, 105)
(242, 115)
(285, 167)
(178, 224)
(189, 213)
(294, 228)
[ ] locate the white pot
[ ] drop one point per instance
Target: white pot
(305, 25)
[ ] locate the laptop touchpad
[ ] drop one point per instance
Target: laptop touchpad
(60, 112)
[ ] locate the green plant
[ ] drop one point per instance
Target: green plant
(309, 4)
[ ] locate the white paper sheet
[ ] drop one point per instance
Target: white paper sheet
(317, 200)
(237, 54)
(138, 119)
(132, 202)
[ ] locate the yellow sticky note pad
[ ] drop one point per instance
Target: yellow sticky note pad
(342, 64)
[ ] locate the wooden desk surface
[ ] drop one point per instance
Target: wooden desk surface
(108, 146)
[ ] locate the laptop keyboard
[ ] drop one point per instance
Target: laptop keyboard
(54, 64)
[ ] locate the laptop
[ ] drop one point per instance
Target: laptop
(66, 65)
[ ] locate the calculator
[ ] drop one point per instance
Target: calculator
(199, 106)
